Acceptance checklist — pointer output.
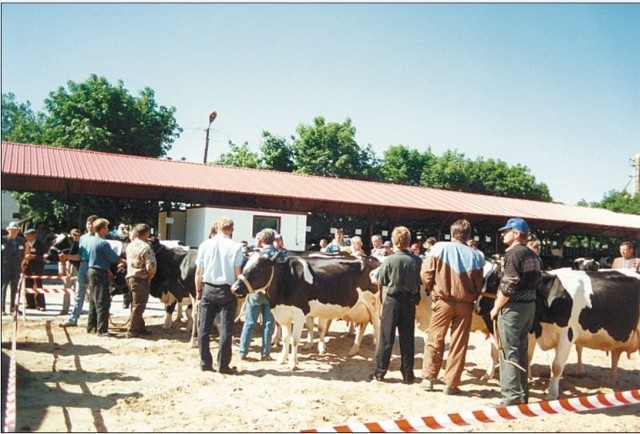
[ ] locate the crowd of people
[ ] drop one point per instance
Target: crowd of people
(450, 271)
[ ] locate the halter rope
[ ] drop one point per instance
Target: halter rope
(263, 288)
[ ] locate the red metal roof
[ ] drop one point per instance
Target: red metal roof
(44, 168)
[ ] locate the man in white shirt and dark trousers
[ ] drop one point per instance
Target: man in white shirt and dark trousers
(219, 263)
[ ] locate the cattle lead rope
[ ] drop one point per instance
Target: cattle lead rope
(264, 288)
(496, 335)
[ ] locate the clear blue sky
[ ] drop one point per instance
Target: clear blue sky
(555, 87)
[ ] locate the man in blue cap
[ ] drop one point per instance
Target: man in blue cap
(514, 310)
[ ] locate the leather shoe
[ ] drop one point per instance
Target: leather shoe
(451, 390)
(266, 358)
(375, 377)
(229, 371)
(408, 380)
(67, 324)
(428, 386)
(207, 369)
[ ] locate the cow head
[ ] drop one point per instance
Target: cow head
(585, 264)
(487, 298)
(256, 275)
(61, 244)
(119, 283)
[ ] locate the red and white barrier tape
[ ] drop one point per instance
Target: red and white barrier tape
(49, 291)
(47, 277)
(521, 411)
(9, 423)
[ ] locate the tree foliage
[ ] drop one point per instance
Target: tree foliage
(617, 201)
(99, 116)
(277, 154)
(93, 115)
(19, 123)
(402, 165)
(330, 149)
(453, 171)
(240, 156)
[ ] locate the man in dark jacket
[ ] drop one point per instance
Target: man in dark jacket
(12, 256)
(33, 265)
(399, 275)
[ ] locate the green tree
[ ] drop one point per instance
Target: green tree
(617, 201)
(453, 171)
(330, 149)
(450, 171)
(239, 156)
(98, 116)
(19, 123)
(277, 154)
(401, 165)
(496, 178)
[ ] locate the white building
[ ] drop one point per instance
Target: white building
(10, 209)
(194, 225)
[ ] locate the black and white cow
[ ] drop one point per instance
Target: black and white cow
(175, 282)
(63, 242)
(298, 287)
(593, 309)
(364, 312)
(585, 264)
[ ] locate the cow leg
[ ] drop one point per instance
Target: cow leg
(491, 368)
(323, 326)
(352, 329)
(310, 324)
(194, 322)
(168, 313)
(189, 314)
(178, 312)
(615, 357)
(531, 347)
(357, 341)
(579, 367)
(559, 361)
(296, 333)
(277, 335)
(286, 341)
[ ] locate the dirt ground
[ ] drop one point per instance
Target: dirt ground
(69, 380)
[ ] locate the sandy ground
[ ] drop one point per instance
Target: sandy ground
(69, 380)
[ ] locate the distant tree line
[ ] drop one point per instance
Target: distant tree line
(97, 115)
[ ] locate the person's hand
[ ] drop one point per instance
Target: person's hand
(494, 313)
(63, 256)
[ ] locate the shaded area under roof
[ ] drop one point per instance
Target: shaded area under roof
(39, 168)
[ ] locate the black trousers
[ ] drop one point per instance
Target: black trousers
(218, 299)
(35, 300)
(398, 312)
(10, 278)
(99, 300)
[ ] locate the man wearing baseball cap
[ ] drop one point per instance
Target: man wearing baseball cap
(514, 310)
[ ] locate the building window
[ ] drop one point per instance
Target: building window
(263, 222)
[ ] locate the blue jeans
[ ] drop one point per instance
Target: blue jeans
(81, 288)
(254, 308)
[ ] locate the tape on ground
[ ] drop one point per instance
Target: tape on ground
(487, 415)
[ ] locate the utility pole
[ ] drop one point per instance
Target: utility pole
(212, 117)
(637, 165)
